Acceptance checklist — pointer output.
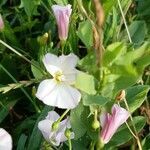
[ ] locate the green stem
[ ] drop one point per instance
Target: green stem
(19, 54)
(63, 43)
(124, 20)
(136, 133)
(22, 89)
(63, 115)
(70, 144)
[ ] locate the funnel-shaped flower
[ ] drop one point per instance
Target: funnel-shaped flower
(1, 23)
(5, 140)
(62, 15)
(111, 122)
(55, 137)
(57, 91)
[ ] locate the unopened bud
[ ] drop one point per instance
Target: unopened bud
(68, 133)
(55, 126)
(43, 39)
(121, 95)
(95, 124)
(34, 91)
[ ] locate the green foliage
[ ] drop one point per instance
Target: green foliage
(89, 100)
(136, 95)
(85, 83)
(85, 33)
(125, 65)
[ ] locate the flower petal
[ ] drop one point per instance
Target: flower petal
(62, 15)
(103, 119)
(61, 96)
(45, 127)
(68, 61)
(51, 62)
(120, 114)
(53, 116)
(45, 87)
(112, 122)
(6, 140)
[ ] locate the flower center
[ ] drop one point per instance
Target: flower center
(58, 76)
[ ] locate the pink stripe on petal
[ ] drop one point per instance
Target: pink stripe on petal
(112, 122)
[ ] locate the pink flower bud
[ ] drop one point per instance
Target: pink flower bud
(62, 15)
(1, 23)
(111, 122)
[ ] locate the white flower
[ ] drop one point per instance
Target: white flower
(58, 136)
(5, 140)
(57, 91)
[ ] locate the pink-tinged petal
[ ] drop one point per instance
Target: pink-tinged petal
(110, 123)
(62, 15)
(45, 88)
(120, 113)
(53, 116)
(103, 119)
(51, 62)
(1, 23)
(5, 140)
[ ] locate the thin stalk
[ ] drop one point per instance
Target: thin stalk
(70, 144)
(22, 89)
(124, 20)
(130, 130)
(137, 137)
(63, 115)
(22, 56)
(129, 126)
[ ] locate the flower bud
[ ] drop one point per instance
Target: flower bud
(121, 95)
(43, 39)
(1, 23)
(62, 15)
(95, 124)
(68, 133)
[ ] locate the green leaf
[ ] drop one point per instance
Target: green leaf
(146, 143)
(30, 6)
(85, 33)
(36, 72)
(133, 55)
(88, 63)
(136, 96)
(21, 142)
(113, 52)
(77, 124)
(85, 83)
(61, 2)
(138, 31)
(108, 5)
(123, 135)
(94, 100)
(36, 136)
(7, 101)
